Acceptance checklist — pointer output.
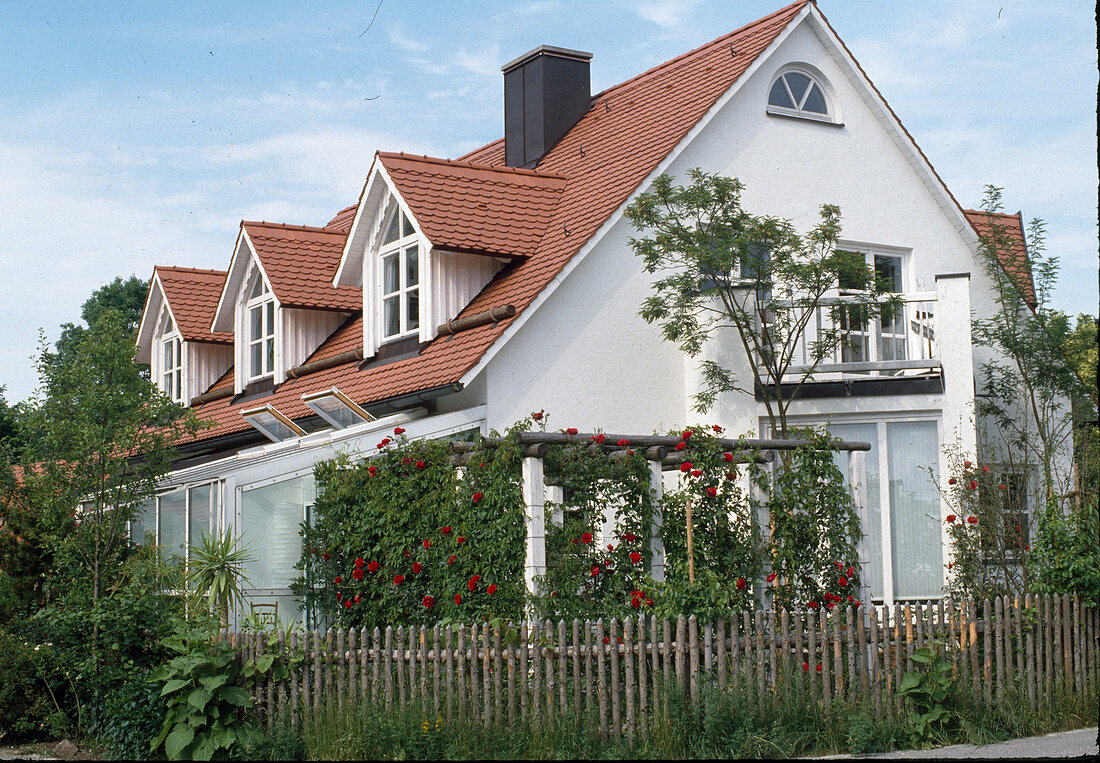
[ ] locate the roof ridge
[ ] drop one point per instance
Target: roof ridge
(472, 165)
(290, 226)
(1018, 213)
(181, 268)
(694, 51)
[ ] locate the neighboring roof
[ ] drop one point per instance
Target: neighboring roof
(192, 296)
(477, 208)
(1014, 260)
(343, 220)
(299, 262)
(627, 132)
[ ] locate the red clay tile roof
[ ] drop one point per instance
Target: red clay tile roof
(192, 295)
(343, 220)
(1014, 260)
(626, 133)
(300, 262)
(477, 208)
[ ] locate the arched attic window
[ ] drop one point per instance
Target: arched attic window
(797, 92)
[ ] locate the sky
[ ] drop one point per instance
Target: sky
(134, 133)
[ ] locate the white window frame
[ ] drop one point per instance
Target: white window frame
(170, 380)
(212, 521)
(399, 249)
(830, 116)
(265, 303)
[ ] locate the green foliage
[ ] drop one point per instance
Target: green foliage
(132, 714)
(216, 572)
(403, 537)
(126, 298)
(1065, 556)
(34, 692)
(724, 268)
(201, 687)
(931, 694)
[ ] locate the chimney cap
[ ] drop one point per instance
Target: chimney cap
(550, 50)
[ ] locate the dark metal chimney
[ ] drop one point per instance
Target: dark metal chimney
(546, 92)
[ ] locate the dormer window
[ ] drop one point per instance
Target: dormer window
(260, 310)
(400, 287)
(172, 359)
(798, 93)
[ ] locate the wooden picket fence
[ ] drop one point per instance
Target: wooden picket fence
(620, 672)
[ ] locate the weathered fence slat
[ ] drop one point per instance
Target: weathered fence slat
(601, 680)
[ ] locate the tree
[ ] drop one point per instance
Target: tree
(1028, 383)
(125, 297)
(102, 439)
(723, 268)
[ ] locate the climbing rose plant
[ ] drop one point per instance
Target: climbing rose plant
(404, 537)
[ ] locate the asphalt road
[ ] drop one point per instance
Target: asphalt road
(1064, 744)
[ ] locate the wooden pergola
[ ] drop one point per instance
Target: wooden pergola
(659, 451)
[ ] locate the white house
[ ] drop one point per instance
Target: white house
(460, 295)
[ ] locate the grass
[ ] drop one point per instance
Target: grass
(721, 724)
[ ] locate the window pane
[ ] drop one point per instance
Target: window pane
(257, 288)
(412, 265)
(393, 232)
(916, 545)
(255, 364)
(798, 83)
(143, 527)
(178, 393)
(255, 322)
(406, 226)
(413, 308)
(390, 275)
(269, 318)
(173, 524)
(873, 530)
(391, 317)
(168, 362)
(888, 273)
(199, 520)
(270, 517)
(779, 97)
(815, 102)
(269, 356)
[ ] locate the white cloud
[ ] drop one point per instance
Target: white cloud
(397, 36)
(664, 13)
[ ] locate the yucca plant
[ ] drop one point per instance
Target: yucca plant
(216, 572)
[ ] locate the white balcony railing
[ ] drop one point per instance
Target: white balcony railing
(901, 341)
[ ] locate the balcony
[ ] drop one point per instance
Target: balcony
(899, 343)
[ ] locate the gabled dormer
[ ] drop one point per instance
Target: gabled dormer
(278, 301)
(429, 234)
(185, 357)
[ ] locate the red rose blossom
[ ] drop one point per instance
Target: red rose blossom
(398, 579)
(972, 520)
(338, 580)
(610, 547)
(966, 464)
(842, 581)
(427, 601)
(686, 466)
(372, 471)
(624, 442)
(398, 431)
(649, 602)
(951, 481)
(630, 537)
(696, 472)
(373, 566)
(446, 530)
(818, 668)
(972, 485)
(851, 572)
(681, 445)
(420, 464)
(571, 431)
(537, 415)
(595, 571)
(417, 567)
(491, 589)
(686, 434)
(771, 577)
(806, 667)
(348, 603)
(458, 598)
(476, 497)
(427, 544)
(740, 584)
(635, 602)
(598, 438)
(460, 539)
(359, 562)
(451, 559)
(586, 538)
(717, 429)
(325, 556)
(712, 491)
(951, 519)
(635, 557)
(728, 457)
(985, 469)
(357, 573)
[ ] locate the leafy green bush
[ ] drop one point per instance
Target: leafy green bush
(931, 694)
(1065, 557)
(35, 701)
(132, 713)
(204, 699)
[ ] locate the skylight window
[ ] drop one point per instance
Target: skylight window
(274, 425)
(798, 93)
(336, 408)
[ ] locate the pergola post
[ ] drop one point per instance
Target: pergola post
(758, 498)
(656, 544)
(857, 486)
(534, 499)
